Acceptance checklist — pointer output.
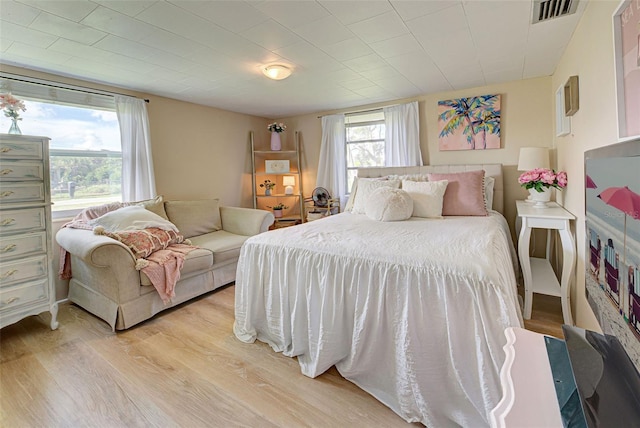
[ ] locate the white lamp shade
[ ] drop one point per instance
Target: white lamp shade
(288, 181)
(532, 158)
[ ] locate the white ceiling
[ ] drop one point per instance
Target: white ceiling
(344, 53)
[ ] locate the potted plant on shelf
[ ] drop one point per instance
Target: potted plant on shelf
(268, 186)
(277, 209)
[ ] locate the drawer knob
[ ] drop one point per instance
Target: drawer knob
(5, 194)
(7, 221)
(5, 171)
(8, 248)
(5, 149)
(8, 274)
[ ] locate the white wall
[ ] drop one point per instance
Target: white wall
(589, 55)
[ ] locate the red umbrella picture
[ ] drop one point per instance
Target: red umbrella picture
(625, 200)
(590, 183)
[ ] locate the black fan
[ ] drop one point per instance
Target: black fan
(321, 197)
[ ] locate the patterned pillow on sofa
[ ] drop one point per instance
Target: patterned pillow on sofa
(145, 241)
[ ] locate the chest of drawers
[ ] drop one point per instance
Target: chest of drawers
(26, 277)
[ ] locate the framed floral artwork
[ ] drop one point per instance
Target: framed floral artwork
(276, 166)
(626, 38)
(471, 123)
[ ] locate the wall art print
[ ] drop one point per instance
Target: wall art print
(626, 31)
(471, 123)
(612, 220)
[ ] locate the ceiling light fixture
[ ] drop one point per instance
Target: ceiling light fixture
(276, 71)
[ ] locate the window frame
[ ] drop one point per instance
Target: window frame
(347, 142)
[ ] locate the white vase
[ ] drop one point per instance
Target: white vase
(540, 199)
(275, 141)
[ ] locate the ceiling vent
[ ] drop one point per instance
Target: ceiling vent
(546, 10)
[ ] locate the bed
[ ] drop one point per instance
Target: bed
(413, 311)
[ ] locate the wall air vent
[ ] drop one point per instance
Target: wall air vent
(545, 10)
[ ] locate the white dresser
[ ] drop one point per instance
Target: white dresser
(26, 279)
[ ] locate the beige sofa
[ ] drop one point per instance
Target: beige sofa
(106, 283)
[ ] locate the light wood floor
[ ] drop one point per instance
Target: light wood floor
(184, 368)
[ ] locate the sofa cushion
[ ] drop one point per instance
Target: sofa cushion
(225, 245)
(155, 205)
(194, 218)
(198, 260)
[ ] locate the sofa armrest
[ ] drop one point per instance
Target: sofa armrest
(97, 250)
(104, 264)
(245, 221)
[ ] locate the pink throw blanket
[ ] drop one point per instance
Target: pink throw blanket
(162, 267)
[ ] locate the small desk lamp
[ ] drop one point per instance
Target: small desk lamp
(288, 181)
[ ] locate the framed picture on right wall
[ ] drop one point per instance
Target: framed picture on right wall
(626, 38)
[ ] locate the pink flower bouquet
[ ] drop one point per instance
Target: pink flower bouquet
(541, 178)
(11, 106)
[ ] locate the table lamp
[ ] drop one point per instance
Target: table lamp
(532, 158)
(288, 181)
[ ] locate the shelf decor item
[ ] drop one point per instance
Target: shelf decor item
(288, 181)
(276, 166)
(276, 128)
(277, 209)
(11, 106)
(268, 186)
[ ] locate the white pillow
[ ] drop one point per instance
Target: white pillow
(389, 204)
(364, 189)
(488, 191)
(354, 189)
(133, 217)
(427, 197)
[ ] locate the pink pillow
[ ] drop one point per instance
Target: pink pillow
(145, 241)
(465, 193)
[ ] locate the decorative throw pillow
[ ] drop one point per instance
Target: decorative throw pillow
(194, 218)
(389, 204)
(464, 194)
(364, 189)
(354, 188)
(427, 197)
(133, 217)
(143, 242)
(489, 182)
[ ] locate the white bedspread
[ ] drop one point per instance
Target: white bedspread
(413, 312)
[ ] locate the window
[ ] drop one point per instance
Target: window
(365, 142)
(85, 151)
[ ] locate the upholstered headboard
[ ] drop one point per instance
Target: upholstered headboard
(491, 170)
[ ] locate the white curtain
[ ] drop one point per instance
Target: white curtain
(402, 135)
(138, 181)
(332, 166)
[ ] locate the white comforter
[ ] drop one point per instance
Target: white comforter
(413, 312)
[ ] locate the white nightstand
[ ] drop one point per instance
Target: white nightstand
(539, 276)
